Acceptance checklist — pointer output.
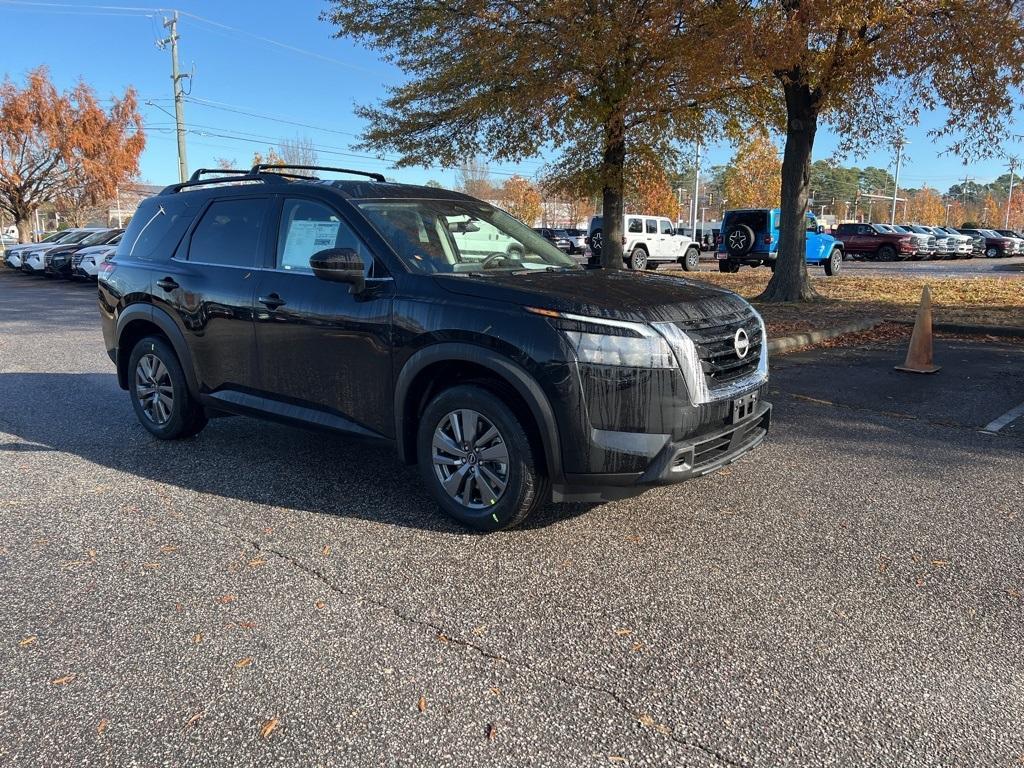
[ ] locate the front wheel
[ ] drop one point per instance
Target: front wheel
(477, 462)
(638, 259)
(834, 263)
(887, 253)
(691, 261)
(991, 252)
(159, 392)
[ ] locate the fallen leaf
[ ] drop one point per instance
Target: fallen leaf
(247, 625)
(492, 731)
(938, 563)
(256, 562)
(197, 638)
(102, 726)
(151, 566)
(193, 720)
(168, 548)
(25, 643)
(1014, 593)
(637, 647)
(442, 637)
(225, 599)
(268, 530)
(616, 759)
(320, 605)
(646, 720)
(623, 631)
(495, 690)
(634, 539)
(327, 550)
(479, 630)
(91, 553)
(64, 680)
(243, 662)
(269, 727)
(421, 705)
(920, 582)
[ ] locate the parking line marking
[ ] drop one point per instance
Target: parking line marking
(1011, 415)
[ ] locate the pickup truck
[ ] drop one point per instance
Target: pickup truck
(871, 241)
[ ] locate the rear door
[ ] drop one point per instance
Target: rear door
(209, 285)
(668, 242)
(652, 238)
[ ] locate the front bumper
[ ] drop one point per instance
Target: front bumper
(675, 462)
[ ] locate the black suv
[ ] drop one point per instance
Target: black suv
(432, 320)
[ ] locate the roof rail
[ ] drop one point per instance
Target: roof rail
(200, 172)
(260, 167)
(234, 177)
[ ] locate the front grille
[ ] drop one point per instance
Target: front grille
(714, 339)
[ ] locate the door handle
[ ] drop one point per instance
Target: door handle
(273, 301)
(167, 283)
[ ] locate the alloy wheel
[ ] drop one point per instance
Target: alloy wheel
(153, 389)
(470, 459)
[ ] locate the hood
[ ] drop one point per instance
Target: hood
(608, 293)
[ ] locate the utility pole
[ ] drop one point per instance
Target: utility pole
(1009, 197)
(896, 189)
(696, 193)
(117, 194)
(948, 206)
(179, 97)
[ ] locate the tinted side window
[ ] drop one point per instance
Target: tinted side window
(308, 227)
(652, 227)
(635, 225)
(157, 227)
(229, 233)
(666, 228)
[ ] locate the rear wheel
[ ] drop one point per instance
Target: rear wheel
(834, 263)
(476, 459)
(691, 261)
(992, 252)
(638, 259)
(159, 392)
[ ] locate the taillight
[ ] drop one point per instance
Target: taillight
(767, 239)
(718, 240)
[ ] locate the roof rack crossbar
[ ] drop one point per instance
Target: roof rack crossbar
(232, 179)
(200, 172)
(260, 167)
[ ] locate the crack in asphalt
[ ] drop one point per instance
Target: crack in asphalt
(482, 651)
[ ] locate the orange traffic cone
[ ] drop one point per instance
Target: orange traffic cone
(919, 355)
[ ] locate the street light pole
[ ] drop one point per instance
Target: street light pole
(696, 192)
(896, 188)
(1009, 197)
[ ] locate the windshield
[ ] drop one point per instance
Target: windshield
(76, 237)
(456, 236)
(54, 237)
(898, 228)
(96, 238)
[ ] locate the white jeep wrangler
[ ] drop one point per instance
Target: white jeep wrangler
(649, 241)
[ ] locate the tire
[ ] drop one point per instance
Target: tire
(526, 485)
(886, 253)
(992, 253)
(728, 266)
(691, 261)
(834, 264)
(184, 417)
(638, 259)
(739, 240)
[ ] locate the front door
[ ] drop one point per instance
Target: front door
(324, 353)
(208, 289)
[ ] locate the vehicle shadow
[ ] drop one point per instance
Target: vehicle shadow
(247, 459)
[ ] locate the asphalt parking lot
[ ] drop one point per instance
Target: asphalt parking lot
(1009, 267)
(850, 594)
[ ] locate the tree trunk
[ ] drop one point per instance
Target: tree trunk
(790, 281)
(613, 164)
(24, 226)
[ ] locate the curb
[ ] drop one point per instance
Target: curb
(795, 340)
(981, 330)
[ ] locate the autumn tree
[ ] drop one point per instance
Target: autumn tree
(574, 201)
(925, 206)
(521, 199)
(63, 148)
(752, 179)
(648, 191)
(474, 178)
(508, 80)
(835, 63)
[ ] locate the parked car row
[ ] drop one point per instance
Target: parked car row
(750, 237)
(892, 242)
(647, 242)
(74, 254)
(571, 241)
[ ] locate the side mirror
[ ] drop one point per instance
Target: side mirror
(339, 265)
(821, 229)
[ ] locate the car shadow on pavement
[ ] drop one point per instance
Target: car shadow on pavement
(236, 457)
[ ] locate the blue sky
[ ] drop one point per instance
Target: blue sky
(247, 92)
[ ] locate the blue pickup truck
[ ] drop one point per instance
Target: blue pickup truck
(751, 236)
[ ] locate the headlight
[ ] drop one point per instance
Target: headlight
(599, 341)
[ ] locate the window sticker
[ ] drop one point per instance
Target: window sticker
(306, 238)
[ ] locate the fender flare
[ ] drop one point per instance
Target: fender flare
(512, 373)
(163, 321)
